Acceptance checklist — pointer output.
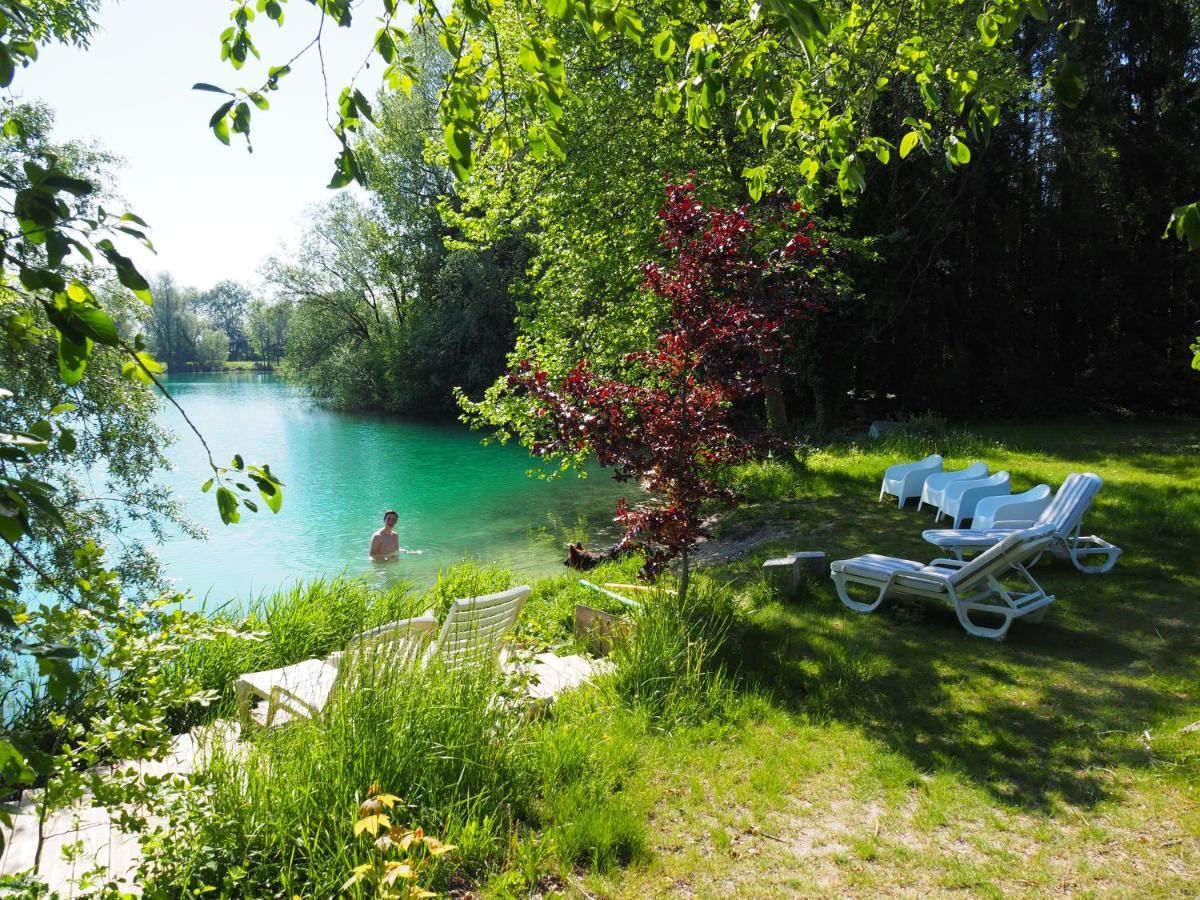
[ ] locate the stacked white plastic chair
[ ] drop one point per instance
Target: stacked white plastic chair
(983, 586)
(960, 497)
(470, 635)
(934, 490)
(1024, 507)
(904, 481)
(1064, 515)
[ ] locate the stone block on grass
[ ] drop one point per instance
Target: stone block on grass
(786, 574)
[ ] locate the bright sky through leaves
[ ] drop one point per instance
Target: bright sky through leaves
(215, 211)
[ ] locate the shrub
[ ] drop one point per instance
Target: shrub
(671, 670)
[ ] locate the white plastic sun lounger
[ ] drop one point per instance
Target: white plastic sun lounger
(959, 497)
(1024, 507)
(1064, 513)
(933, 491)
(973, 588)
(470, 635)
(904, 481)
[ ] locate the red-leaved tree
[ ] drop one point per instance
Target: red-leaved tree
(735, 279)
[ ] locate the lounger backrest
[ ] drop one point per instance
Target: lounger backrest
(474, 627)
(1016, 547)
(400, 643)
(1073, 499)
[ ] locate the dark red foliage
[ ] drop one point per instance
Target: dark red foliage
(736, 279)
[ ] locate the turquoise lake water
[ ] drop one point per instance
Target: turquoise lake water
(456, 498)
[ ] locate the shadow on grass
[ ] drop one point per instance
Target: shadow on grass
(1041, 719)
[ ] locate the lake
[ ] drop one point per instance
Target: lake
(456, 498)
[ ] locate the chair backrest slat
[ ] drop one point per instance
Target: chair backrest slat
(396, 645)
(474, 626)
(1071, 502)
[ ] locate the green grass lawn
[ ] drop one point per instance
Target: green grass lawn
(892, 753)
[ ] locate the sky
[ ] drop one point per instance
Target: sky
(215, 212)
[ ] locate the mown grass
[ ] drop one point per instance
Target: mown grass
(895, 755)
(753, 748)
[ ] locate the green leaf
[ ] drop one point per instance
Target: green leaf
(1185, 220)
(756, 181)
(238, 462)
(1037, 9)
(96, 324)
(907, 143)
(458, 141)
(80, 187)
(269, 489)
(663, 45)
(227, 505)
(72, 358)
(989, 29)
(957, 152)
(207, 486)
(205, 86)
(139, 367)
(1069, 84)
(7, 69)
(559, 9)
(851, 174)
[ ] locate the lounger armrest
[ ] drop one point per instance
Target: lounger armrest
(1014, 523)
(929, 577)
(949, 563)
(279, 692)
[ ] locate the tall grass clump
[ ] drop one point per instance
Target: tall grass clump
(771, 479)
(928, 432)
(467, 579)
(672, 669)
(272, 816)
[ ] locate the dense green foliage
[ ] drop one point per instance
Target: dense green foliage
(385, 315)
(1037, 271)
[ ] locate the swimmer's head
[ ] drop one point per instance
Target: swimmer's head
(390, 517)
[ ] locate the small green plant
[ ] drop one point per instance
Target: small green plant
(399, 855)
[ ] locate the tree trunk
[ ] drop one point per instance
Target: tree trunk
(777, 417)
(683, 575)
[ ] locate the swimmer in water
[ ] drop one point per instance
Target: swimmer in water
(385, 543)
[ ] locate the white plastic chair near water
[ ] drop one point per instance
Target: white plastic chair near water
(959, 497)
(470, 635)
(996, 583)
(904, 481)
(1064, 514)
(934, 489)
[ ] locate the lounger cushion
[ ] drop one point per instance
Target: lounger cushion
(966, 537)
(875, 566)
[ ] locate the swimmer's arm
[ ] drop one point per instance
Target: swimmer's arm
(376, 551)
